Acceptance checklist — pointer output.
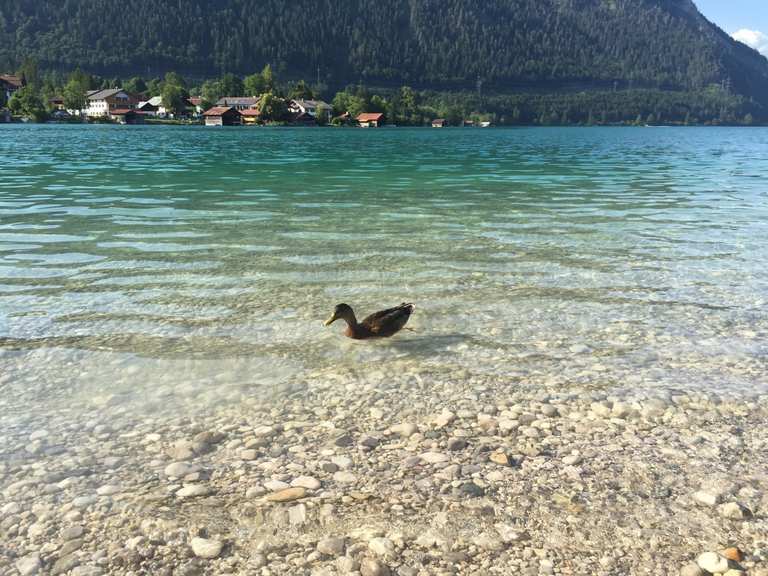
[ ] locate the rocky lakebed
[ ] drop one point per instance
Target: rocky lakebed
(375, 474)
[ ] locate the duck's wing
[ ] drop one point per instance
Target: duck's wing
(387, 322)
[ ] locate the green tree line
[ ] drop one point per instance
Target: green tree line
(405, 105)
(445, 45)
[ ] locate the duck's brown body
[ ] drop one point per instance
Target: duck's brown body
(382, 324)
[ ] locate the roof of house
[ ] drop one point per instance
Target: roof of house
(250, 112)
(237, 101)
(311, 103)
(12, 79)
(104, 94)
(156, 101)
(123, 111)
(220, 111)
(303, 117)
(370, 116)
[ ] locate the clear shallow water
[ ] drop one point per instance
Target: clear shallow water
(173, 265)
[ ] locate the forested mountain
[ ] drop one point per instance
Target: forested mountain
(509, 45)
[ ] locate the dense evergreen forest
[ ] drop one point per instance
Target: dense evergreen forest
(540, 61)
(423, 43)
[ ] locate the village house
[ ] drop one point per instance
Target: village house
(238, 102)
(315, 108)
(222, 116)
(250, 116)
(102, 102)
(370, 119)
(153, 107)
(127, 116)
(439, 123)
(303, 119)
(196, 105)
(56, 103)
(9, 83)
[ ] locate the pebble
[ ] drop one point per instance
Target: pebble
(29, 565)
(86, 571)
(193, 491)
(434, 457)
(692, 570)
(288, 494)
(343, 462)
(107, 490)
(382, 547)
(406, 429)
(734, 511)
(10, 508)
(297, 515)
(263, 431)
(180, 469)
(706, 498)
(276, 485)
(369, 441)
(456, 444)
(64, 564)
(72, 532)
(205, 548)
(344, 441)
(372, 567)
(572, 459)
(499, 458)
(308, 482)
(712, 562)
(248, 454)
(343, 477)
(331, 546)
(83, 501)
(443, 419)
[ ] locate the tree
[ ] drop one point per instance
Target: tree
(27, 103)
(231, 85)
(210, 92)
(154, 86)
(176, 79)
(174, 98)
(301, 92)
(273, 108)
(268, 78)
(346, 102)
(135, 85)
(29, 72)
(254, 84)
(75, 89)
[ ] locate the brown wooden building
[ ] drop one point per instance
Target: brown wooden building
(222, 116)
(370, 119)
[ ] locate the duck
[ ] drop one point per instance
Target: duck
(382, 324)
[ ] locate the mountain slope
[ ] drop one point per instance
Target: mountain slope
(447, 44)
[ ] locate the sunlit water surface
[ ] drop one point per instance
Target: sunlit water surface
(188, 266)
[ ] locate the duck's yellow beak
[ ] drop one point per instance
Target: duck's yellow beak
(331, 320)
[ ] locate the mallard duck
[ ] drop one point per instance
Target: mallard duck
(381, 324)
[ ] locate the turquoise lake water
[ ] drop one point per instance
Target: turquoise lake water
(160, 261)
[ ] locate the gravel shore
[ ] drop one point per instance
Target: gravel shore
(382, 474)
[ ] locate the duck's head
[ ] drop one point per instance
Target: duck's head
(342, 311)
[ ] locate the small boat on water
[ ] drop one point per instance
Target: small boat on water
(484, 124)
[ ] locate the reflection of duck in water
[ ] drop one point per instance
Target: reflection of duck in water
(378, 325)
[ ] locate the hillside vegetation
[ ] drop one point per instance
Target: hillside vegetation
(439, 44)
